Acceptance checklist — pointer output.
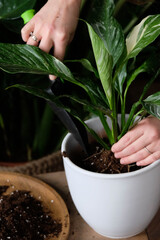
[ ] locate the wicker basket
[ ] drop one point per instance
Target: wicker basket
(50, 163)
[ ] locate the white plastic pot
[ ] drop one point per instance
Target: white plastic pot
(114, 205)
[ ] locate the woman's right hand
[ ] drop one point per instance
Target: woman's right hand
(53, 26)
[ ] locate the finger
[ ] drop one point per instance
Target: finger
(126, 140)
(59, 49)
(134, 147)
(52, 77)
(59, 52)
(138, 147)
(26, 30)
(138, 156)
(46, 44)
(32, 41)
(150, 159)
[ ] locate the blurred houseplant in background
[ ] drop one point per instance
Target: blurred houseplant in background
(28, 127)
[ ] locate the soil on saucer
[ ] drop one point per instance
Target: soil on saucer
(22, 217)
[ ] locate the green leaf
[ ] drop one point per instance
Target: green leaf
(103, 61)
(50, 97)
(121, 77)
(95, 88)
(86, 63)
(95, 135)
(20, 58)
(150, 65)
(107, 28)
(152, 104)
(46, 95)
(87, 104)
(23, 58)
(14, 8)
(38, 92)
(142, 35)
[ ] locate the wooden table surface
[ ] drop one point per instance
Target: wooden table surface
(79, 230)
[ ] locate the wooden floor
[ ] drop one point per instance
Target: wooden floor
(79, 230)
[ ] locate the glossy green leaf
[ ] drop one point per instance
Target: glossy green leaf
(87, 104)
(97, 91)
(23, 58)
(107, 28)
(104, 62)
(142, 35)
(150, 65)
(51, 98)
(38, 92)
(152, 104)
(29, 59)
(86, 63)
(121, 77)
(14, 8)
(43, 93)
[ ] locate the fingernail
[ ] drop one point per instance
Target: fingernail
(52, 77)
(122, 161)
(138, 163)
(113, 148)
(116, 155)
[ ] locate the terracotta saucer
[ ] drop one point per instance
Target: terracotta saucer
(43, 192)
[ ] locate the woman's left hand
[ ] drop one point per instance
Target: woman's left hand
(141, 144)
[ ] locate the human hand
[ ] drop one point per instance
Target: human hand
(53, 26)
(141, 144)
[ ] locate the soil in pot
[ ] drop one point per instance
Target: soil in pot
(23, 217)
(101, 160)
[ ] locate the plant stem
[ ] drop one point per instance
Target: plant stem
(141, 112)
(135, 19)
(141, 69)
(123, 107)
(130, 25)
(82, 4)
(106, 128)
(134, 107)
(95, 135)
(114, 107)
(147, 86)
(103, 120)
(118, 6)
(128, 123)
(123, 100)
(114, 116)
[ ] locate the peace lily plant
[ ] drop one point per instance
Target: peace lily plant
(103, 200)
(117, 66)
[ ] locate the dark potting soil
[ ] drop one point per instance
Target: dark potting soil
(101, 160)
(22, 217)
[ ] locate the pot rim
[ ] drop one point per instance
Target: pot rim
(104, 175)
